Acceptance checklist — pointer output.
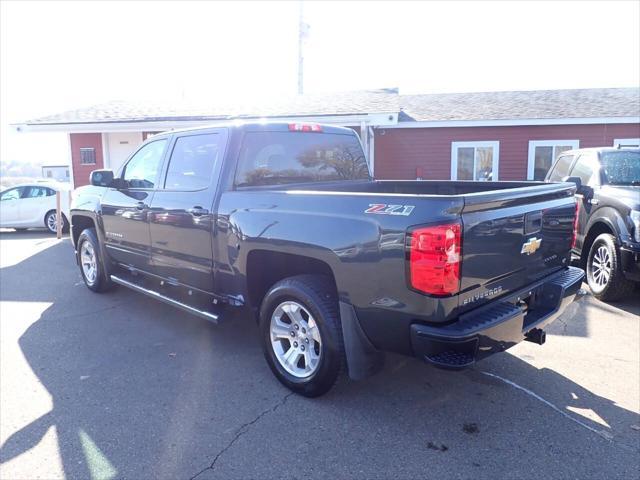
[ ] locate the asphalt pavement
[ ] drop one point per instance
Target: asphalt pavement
(118, 386)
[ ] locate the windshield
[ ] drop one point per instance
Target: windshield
(621, 168)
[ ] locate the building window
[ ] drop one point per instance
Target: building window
(474, 161)
(88, 156)
(627, 142)
(542, 154)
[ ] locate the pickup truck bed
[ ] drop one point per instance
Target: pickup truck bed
(447, 271)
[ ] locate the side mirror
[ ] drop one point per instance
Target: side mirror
(585, 190)
(575, 180)
(101, 178)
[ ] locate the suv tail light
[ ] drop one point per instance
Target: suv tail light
(435, 257)
(303, 127)
(575, 225)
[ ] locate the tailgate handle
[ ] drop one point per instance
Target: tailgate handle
(532, 222)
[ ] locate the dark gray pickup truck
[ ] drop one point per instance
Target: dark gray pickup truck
(284, 220)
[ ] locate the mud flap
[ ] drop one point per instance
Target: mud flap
(363, 359)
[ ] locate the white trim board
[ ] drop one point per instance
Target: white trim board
(495, 160)
(514, 122)
(376, 119)
(574, 144)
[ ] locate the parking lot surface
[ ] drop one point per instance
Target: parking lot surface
(117, 386)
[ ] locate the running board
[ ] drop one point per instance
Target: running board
(170, 301)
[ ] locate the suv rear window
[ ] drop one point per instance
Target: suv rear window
(278, 158)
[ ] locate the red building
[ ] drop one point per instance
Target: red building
(473, 136)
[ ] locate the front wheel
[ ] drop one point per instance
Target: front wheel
(604, 270)
(301, 334)
(91, 263)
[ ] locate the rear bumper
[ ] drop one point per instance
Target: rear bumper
(498, 325)
(630, 259)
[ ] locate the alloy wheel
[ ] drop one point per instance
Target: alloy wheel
(89, 262)
(295, 339)
(601, 267)
(52, 224)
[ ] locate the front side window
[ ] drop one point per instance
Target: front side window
(474, 161)
(278, 158)
(143, 168)
(88, 156)
(542, 154)
(192, 162)
(13, 194)
(561, 168)
(584, 168)
(621, 168)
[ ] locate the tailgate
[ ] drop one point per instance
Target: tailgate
(512, 238)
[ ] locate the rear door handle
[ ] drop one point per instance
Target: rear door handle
(198, 211)
(141, 205)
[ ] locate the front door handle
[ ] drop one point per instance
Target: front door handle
(198, 211)
(141, 205)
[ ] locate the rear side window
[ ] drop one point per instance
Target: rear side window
(192, 162)
(561, 168)
(36, 192)
(277, 158)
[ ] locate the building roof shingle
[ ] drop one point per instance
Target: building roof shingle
(583, 103)
(513, 105)
(343, 103)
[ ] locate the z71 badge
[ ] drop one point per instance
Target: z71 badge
(384, 209)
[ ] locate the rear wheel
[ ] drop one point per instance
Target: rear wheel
(91, 263)
(604, 270)
(301, 334)
(51, 222)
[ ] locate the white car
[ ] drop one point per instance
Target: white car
(33, 205)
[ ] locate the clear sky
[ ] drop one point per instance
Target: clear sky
(62, 55)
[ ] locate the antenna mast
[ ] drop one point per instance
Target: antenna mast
(301, 36)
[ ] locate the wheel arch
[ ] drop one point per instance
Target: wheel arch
(266, 267)
(78, 224)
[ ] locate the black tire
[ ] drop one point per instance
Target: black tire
(102, 282)
(316, 294)
(617, 286)
(50, 224)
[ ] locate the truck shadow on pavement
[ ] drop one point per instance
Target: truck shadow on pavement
(141, 390)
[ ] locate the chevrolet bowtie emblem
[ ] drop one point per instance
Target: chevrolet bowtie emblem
(530, 246)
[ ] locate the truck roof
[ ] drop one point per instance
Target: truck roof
(263, 126)
(602, 149)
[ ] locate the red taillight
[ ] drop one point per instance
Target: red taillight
(434, 258)
(575, 225)
(303, 127)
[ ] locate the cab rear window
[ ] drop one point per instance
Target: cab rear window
(278, 158)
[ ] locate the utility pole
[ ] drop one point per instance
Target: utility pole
(302, 34)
